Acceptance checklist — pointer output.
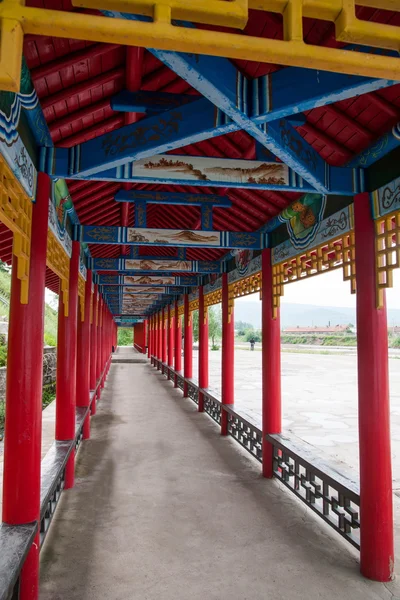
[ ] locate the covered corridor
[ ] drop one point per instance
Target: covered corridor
(165, 507)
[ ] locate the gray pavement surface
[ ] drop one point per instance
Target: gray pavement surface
(166, 508)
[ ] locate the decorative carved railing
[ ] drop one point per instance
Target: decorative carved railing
(245, 432)
(212, 406)
(332, 496)
(193, 390)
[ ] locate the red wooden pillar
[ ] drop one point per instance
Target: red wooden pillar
(160, 336)
(99, 343)
(150, 344)
(271, 365)
(203, 347)
(145, 341)
(155, 346)
(164, 322)
(23, 432)
(93, 348)
(228, 354)
(377, 554)
(171, 332)
(178, 343)
(83, 356)
(187, 344)
(66, 364)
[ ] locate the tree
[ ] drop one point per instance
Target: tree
(252, 334)
(214, 323)
(125, 336)
(195, 321)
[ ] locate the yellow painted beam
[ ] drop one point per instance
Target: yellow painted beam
(11, 42)
(228, 13)
(161, 34)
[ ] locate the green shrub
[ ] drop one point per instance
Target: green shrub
(214, 347)
(49, 339)
(3, 355)
(49, 393)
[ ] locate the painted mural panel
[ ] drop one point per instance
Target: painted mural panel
(328, 229)
(215, 283)
(148, 279)
(59, 230)
(386, 199)
(212, 169)
(144, 290)
(246, 268)
(146, 264)
(174, 237)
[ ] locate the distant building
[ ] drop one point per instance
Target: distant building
(330, 329)
(395, 330)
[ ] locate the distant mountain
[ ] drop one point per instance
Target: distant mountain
(305, 315)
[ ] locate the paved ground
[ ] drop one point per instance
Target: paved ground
(164, 507)
(319, 399)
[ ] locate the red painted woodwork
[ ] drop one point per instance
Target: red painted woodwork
(187, 344)
(66, 364)
(171, 330)
(164, 335)
(377, 553)
(271, 365)
(228, 355)
(83, 356)
(93, 348)
(145, 335)
(203, 348)
(178, 343)
(139, 336)
(159, 335)
(99, 343)
(23, 432)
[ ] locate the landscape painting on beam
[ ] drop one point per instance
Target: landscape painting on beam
(148, 279)
(144, 290)
(174, 236)
(158, 265)
(212, 169)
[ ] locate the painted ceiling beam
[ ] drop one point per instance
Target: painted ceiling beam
(218, 80)
(267, 101)
(154, 264)
(153, 197)
(378, 149)
(97, 234)
(138, 290)
(147, 281)
(172, 129)
(149, 102)
(173, 169)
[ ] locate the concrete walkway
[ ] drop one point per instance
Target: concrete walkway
(164, 508)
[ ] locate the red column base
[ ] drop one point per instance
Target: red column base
(29, 578)
(224, 422)
(70, 471)
(86, 428)
(93, 408)
(201, 402)
(267, 459)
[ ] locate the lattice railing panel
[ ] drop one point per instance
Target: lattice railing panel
(58, 261)
(193, 392)
(338, 253)
(212, 407)
(81, 295)
(387, 249)
(16, 214)
(327, 493)
(248, 435)
(181, 310)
